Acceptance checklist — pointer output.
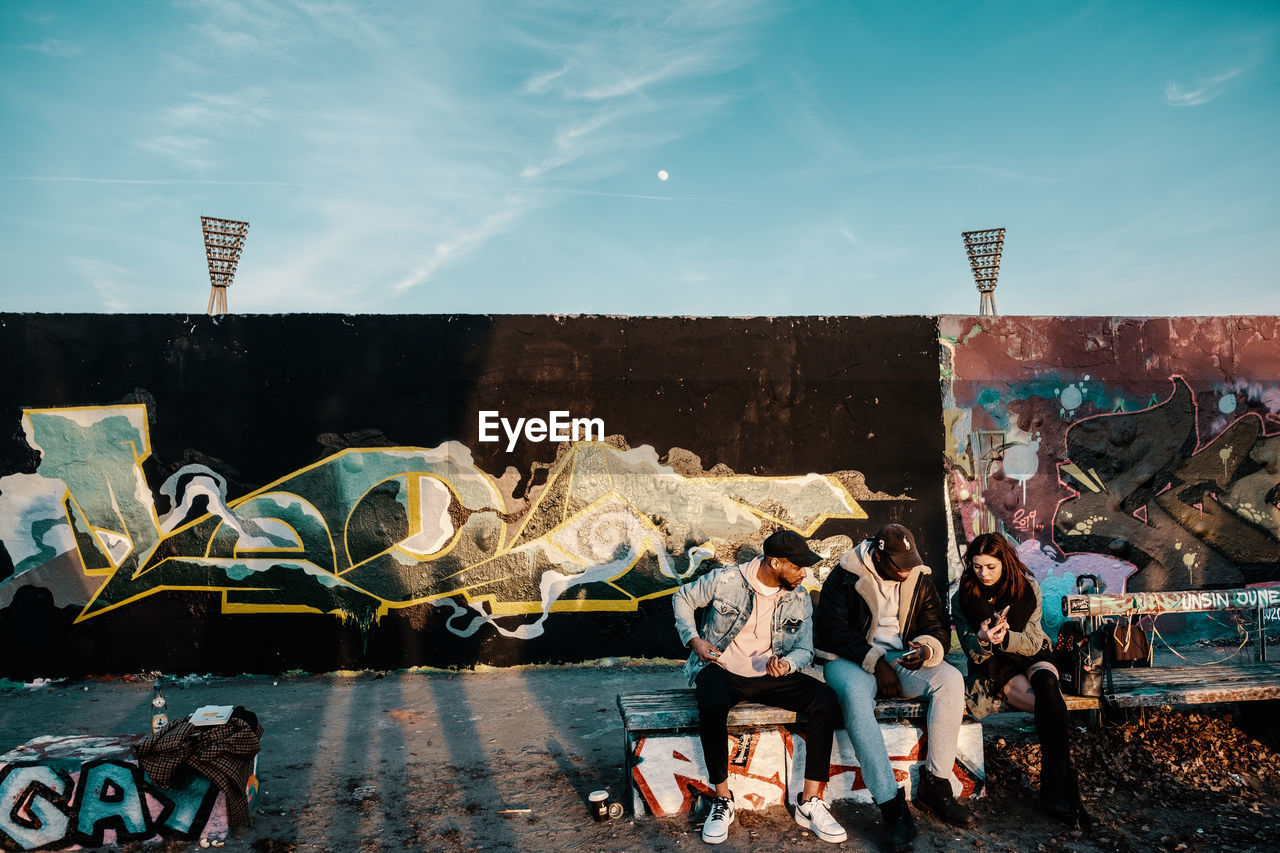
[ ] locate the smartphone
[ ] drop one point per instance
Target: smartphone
(1000, 617)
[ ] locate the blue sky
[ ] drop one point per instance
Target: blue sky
(503, 157)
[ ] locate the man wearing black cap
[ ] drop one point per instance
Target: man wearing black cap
(756, 636)
(881, 618)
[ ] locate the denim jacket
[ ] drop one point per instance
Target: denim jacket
(729, 600)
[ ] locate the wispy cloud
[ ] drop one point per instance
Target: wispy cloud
(189, 131)
(457, 246)
(1205, 90)
(631, 84)
(188, 151)
(111, 283)
(56, 48)
(605, 194)
(250, 26)
(221, 110)
(71, 179)
(540, 83)
(959, 164)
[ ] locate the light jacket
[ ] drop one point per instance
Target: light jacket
(729, 600)
(850, 602)
(1027, 643)
(983, 694)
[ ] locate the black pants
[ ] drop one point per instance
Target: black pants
(718, 690)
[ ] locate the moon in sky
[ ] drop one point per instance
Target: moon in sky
(662, 174)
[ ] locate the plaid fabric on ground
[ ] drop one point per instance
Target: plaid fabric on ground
(224, 754)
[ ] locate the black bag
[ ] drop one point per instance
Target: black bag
(1079, 652)
(1078, 657)
(1128, 643)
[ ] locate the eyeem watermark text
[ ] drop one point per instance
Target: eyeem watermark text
(558, 426)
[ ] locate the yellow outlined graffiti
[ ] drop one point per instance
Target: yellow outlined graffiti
(348, 535)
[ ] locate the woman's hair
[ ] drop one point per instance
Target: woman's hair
(1013, 575)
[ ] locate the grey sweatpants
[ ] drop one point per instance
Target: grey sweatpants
(941, 685)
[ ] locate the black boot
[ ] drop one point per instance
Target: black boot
(1065, 804)
(935, 795)
(899, 827)
(1053, 787)
(1076, 814)
(1055, 758)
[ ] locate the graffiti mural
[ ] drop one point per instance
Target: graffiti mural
(366, 530)
(1187, 515)
(80, 791)
(1143, 451)
(766, 767)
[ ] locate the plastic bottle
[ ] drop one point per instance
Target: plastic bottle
(159, 712)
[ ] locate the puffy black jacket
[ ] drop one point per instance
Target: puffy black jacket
(848, 604)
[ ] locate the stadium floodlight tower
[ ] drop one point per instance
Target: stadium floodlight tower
(984, 249)
(223, 240)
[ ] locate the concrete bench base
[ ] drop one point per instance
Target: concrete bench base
(766, 766)
(72, 792)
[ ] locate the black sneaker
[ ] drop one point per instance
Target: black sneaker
(935, 795)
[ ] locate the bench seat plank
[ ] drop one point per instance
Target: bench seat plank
(673, 710)
(669, 710)
(1193, 685)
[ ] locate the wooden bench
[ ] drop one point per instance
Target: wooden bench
(760, 738)
(1194, 683)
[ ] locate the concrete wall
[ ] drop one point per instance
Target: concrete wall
(264, 493)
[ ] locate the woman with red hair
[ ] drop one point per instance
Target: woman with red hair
(997, 613)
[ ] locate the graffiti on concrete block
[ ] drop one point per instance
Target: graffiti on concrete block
(369, 529)
(669, 773)
(1187, 512)
(907, 744)
(79, 791)
(766, 767)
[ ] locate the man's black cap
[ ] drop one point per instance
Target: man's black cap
(790, 545)
(896, 542)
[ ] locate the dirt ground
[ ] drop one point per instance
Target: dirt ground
(430, 760)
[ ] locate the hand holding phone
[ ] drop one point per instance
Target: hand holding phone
(993, 630)
(913, 658)
(1002, 615)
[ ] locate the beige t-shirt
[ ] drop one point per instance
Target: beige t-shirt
(748, 655)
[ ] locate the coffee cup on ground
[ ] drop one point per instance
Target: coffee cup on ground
(599, 805)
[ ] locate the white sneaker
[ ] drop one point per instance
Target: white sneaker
(716, 828)
(814, 816)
